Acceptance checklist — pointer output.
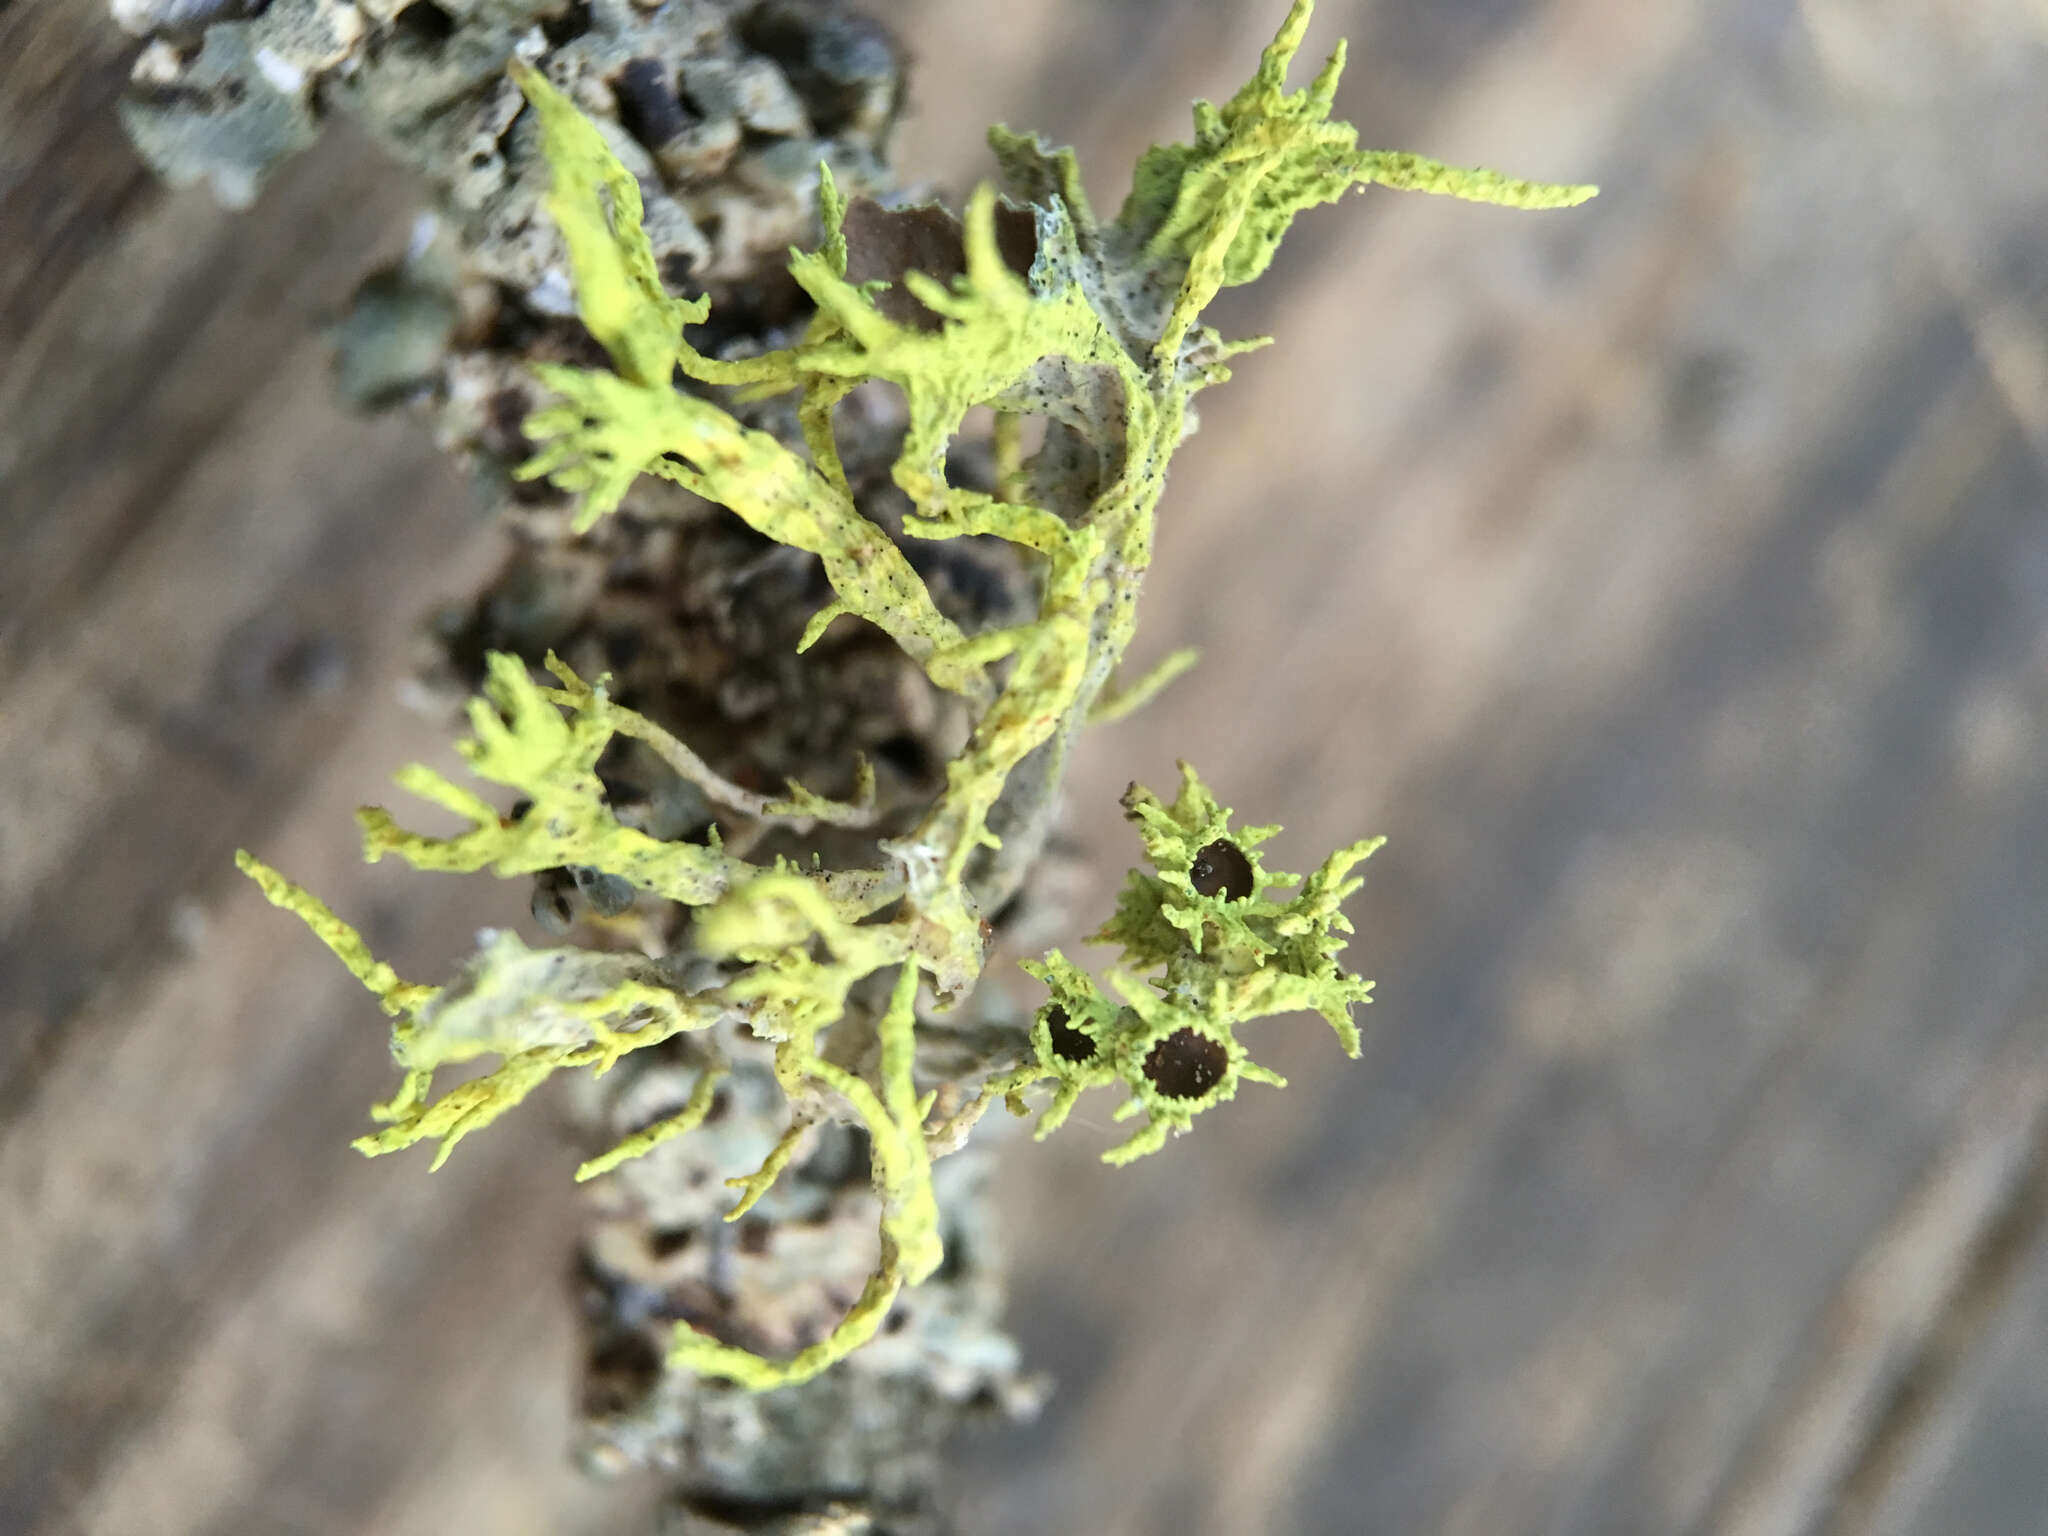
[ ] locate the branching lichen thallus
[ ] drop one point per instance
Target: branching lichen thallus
(1094, 327)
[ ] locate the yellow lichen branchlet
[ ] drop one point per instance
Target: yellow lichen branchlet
(1099, 332)
(1207, 946)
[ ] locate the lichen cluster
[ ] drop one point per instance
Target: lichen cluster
(1080, 343)
(1226, 950)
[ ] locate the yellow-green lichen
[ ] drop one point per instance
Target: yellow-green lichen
(1098, 333)
(1221, 204)
(1208, 945)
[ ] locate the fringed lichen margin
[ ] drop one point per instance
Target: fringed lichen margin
(1102, 335)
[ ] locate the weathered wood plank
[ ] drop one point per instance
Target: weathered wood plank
(1826, 1458)
(158, 1159)
(1961, 1448)
(67, 174)
(1666, 578)
(1653, 748)
(241, 562)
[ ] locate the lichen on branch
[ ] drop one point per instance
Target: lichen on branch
(1026, 307)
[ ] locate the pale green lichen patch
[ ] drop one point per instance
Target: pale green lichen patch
(1215, 210)
(1031, 311)
(1177, 1062)
(1209, 943)
(522, 738)
(1210, 884)
(612, 427)
(1073, 1039)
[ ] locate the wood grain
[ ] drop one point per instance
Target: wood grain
(1669, 579)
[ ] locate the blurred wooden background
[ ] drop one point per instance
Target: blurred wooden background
(1669, 579)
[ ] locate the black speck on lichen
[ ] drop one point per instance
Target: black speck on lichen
(1068, 1043)
(1221, 869)
(1186, 1064)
